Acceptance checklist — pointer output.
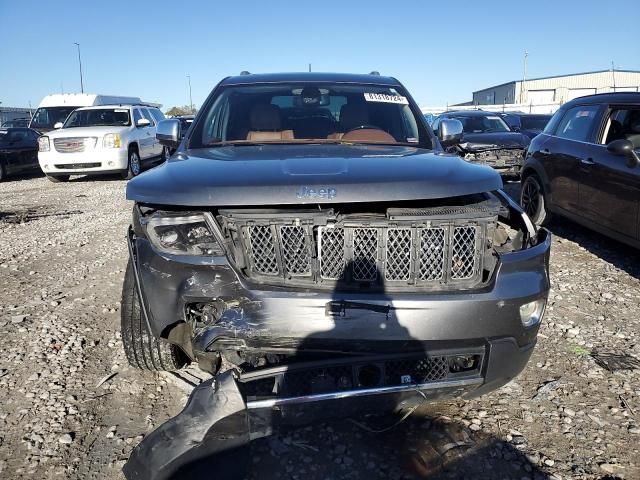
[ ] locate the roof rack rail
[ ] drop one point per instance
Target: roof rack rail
(374, 72)
(245, 72)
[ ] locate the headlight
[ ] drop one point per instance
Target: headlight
(531, 313)
(111, 140)
(43, 144)
(183, 236)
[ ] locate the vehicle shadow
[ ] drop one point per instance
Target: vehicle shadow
(95, 178)
(620, 255)
(24, 176)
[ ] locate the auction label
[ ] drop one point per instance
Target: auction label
(385, 98)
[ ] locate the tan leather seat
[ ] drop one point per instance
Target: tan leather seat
(353, 115)
(266, 124)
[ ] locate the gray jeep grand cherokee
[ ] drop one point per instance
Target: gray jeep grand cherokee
(310, 233)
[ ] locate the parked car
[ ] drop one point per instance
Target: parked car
(16, 123)
(56, 108)
(185, 124)
(488, 140)
(311, 231)
(529, 124)
(18, 151)
(103, 140)
(585, 166)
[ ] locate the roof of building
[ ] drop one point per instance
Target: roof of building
(556, 76)
(309, 77)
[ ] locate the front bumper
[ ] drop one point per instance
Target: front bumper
(93, 161)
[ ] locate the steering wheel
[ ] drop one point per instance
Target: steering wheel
(363, 127)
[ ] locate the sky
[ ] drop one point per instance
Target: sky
(441, 51)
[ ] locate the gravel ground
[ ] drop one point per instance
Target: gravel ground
(71, 408)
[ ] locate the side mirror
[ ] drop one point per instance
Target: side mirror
(168, 133)
(624, 148)
(450, 132)
(58, 125)
(143, 122)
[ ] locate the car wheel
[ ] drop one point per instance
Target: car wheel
(533, 202)
(3, 173)
(58, 178)
(133, 165)
(142, 349)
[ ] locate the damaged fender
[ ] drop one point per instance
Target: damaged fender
(177, 446)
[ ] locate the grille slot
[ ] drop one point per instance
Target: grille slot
(463, 249)
(331, 253)
(399, 254)
(365, 254)
(263, 248)
(432, 251)
(294, 244)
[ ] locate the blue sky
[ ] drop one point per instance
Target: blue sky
(441, 51)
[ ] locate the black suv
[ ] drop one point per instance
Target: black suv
(311, 232)
(585, 166)
(487, 140)
(529, 124)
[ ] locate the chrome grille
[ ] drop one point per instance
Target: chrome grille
(74, 144)
(425, 255)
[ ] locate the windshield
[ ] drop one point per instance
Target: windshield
(99, 117)
(47, 117)
(309, 113)
(535, 123)
(482, 124)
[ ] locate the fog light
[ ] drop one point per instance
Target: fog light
(531, 313)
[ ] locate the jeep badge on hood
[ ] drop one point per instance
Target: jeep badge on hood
(326, 193)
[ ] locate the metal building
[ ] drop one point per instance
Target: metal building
(558, 89)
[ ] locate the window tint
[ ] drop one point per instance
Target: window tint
(136, 116)
(623, 124)
(148, 116)
(578, 122)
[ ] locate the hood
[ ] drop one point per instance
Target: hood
(308, 174)
(493, 140)
(85, 131)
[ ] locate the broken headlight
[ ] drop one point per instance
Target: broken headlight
(190, 235)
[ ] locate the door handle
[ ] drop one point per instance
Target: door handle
(587, 161)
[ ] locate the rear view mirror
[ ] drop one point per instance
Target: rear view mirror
(168, 133)
(58, 125)
(624, 148)
(143, 122)
(450, 132)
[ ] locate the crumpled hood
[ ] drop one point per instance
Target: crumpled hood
(475, 142)
(308, 174)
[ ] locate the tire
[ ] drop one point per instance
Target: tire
(533, 201)
(58, 178)
(134, 165)
(3, 172)
(142, 349)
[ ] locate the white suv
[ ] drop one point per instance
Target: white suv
(102, 139)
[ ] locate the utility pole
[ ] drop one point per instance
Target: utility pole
(190, 99)
(80, 64)
(309, 67)
(613, 74)
(524, 77)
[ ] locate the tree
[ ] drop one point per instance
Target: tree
(184, 110)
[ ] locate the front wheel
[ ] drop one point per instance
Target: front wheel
(3, 173)
(58, 178)
(142, 349)
(133, 165)
(533, 201)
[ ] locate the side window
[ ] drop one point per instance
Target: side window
(157, 114)
(148, 116)
(622, 124)
(578, 123)
(136, 116)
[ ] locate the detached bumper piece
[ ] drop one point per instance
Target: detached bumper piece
(227, 412)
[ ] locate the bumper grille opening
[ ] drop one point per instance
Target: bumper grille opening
(73, 166)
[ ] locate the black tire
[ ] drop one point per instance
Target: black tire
(58, 178)
(134, 164)
(533, 201)
(142, 349)
(3, 172)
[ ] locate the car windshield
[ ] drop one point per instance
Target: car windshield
(482, 123)
(47, 117)
(534, 123)
(309, 113)
(99, 117)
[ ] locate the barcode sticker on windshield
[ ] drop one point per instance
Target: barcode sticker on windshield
(385, 98)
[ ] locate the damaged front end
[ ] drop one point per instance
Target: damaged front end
(333, 311)
(506, 159)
